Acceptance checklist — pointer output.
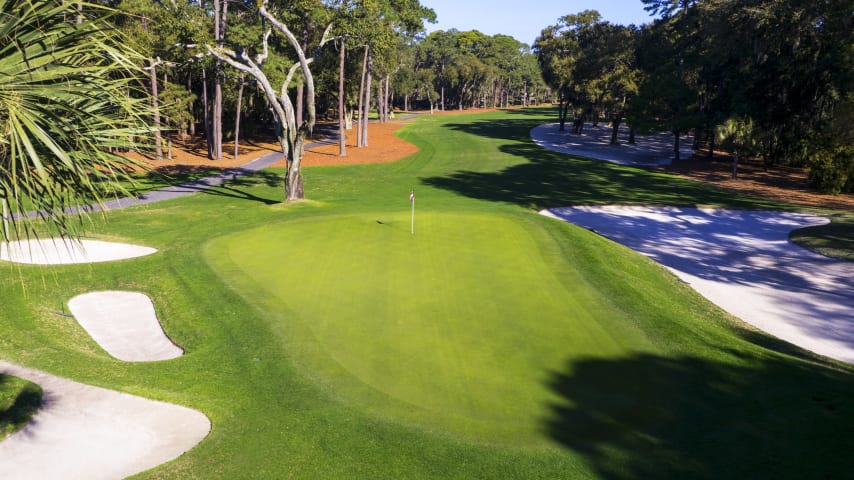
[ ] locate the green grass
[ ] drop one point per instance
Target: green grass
(835, 240)
(19, 401)
(325, 341)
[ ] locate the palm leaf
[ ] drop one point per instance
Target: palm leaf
(69, 95)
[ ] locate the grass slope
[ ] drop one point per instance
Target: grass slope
(494, 343)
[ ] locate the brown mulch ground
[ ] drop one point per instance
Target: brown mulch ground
(780, 183)
(783, 184)
(383, 146)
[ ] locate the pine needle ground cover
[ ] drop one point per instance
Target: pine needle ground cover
(324, 340)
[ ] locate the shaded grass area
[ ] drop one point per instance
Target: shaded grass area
(494, 344)
(835, 240)
(541, 178)
(19, 401)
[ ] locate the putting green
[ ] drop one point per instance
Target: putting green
(454, 329)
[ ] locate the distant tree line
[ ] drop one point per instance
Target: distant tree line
(380, 51)
(764, 78)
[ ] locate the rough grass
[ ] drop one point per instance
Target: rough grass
(835, 240)
(506, 345)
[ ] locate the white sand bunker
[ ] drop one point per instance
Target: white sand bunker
(58, 251)
(125, 325)
(86, 432)
(742, 261)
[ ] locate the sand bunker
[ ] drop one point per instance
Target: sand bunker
(595, 142)
(58, 251)
(742, 261)
(86, 432)
(124, 324)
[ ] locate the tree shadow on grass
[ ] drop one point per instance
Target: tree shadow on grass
(26, 403)
(233, 183)
(550, 179)
(648, 416)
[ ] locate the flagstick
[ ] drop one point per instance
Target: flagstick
(412, 197)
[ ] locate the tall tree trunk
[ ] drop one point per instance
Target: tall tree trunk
(386, 110)
(562, 109)
(192, 105)
(712, 146)
(359, 140)
(615, 128)
(380, 102)
(220, 10)
(217, 117)
(155, 106)
(676, 144)
(735, 164)
(207, 112)
(342, 138)
(237, 116)
(367, 106)
(443, 86)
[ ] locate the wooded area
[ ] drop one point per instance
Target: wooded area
(763, 78)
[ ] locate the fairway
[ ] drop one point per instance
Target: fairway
(456, 327)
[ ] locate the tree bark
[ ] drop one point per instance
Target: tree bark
(676, 144)
(615, 128)
(359, 141)
(192, 105)
(237, 116)
(735, 164)
(380, 113)
(301, 87)
(342, 142)
(367, 106)
(386, 110)
(155, 106)
(206, 108)
(220, 10)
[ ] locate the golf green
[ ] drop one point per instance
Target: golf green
(456, 328)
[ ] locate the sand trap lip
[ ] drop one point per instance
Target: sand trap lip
(86, 432)
(58, 251)
(743, 262)
(124, 324)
